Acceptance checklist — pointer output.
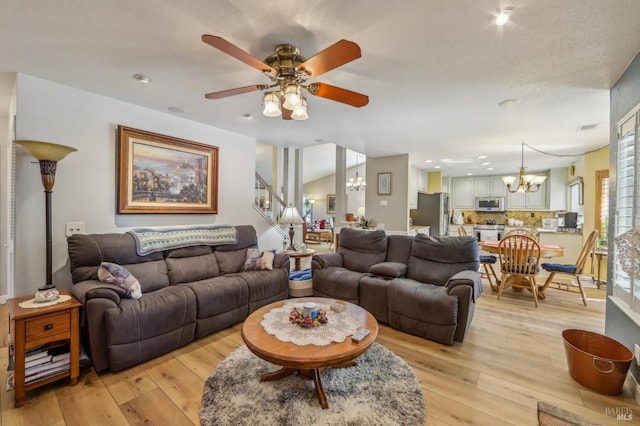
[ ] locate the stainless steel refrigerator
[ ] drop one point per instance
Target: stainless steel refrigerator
(432, 211)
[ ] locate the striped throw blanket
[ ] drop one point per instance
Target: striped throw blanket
(153, 240)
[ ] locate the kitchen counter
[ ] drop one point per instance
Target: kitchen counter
(561, 231)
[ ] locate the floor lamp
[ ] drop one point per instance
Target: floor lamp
(292, 217)
(48, 154)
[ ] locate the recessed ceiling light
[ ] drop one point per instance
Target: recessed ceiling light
(436, 167)
(503, 17)
(486, 163)
(427, 161)
(457, 160)
(176, 109)
(489, 168)
(247, 116)
(482, 156)
(142, 78)
(509, 103)
(469, 174)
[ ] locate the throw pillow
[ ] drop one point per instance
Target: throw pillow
(258, 259)
(113, 273)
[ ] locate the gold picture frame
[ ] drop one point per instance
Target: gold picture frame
(161, 174)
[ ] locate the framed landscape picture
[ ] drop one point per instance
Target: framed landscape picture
(163, 174)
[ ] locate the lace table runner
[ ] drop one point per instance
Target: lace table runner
(339, 326)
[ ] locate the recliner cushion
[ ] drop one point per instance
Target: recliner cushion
(187, 269)
(361, 249)
(434, 260)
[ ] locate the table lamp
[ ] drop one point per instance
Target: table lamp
(48, 154)
(291, 216)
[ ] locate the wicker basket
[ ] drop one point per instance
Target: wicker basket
(596, 361)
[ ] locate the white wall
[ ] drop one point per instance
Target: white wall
(319, 188)
(85, 188)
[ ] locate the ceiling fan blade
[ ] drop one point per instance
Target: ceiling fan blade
(233, 50)
(338, 94)
(332, 57)
(286, 113)
(236, 91)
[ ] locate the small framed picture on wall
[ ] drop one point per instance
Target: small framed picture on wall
(331, 203)
(384, 183)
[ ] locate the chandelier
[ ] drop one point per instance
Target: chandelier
(290, 97)
(357, 183)
(526, 183)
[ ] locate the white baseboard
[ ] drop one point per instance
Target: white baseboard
(4, 298)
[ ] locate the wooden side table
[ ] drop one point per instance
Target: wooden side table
(30, 328)
(298, 255)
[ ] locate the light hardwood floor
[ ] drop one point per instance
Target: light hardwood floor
(512, 357)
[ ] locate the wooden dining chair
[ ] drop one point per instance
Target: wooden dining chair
(521, 231)
(486, 262)
(519, 263)
(574, 270)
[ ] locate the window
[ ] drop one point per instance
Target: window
(602, 206)
(626, 228)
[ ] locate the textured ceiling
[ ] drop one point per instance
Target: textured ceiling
(435, 71)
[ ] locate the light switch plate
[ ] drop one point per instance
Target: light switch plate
(74, 228)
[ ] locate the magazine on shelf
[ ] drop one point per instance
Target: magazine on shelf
(11, 366)
(45, 367)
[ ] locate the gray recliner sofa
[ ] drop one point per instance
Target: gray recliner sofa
(426, 286)
(187, 293)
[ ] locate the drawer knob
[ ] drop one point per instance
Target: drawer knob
(48, 326)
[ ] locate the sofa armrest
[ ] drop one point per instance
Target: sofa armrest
(282, 261)
(90, 289)
(325, 260)
(389, 269)
(466, 278)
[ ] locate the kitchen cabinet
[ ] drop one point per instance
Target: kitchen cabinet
(489, 186)
(463, 195)
(418, 182)
(557, 189)
(572, 243)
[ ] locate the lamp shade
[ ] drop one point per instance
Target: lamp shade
(46, 150)
(271, 105)
(291, 215)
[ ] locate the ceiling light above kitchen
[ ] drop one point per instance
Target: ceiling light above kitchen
(141, 78)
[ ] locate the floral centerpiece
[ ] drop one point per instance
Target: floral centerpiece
(316, 320)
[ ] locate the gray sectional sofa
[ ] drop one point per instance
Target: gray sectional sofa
(426, 286)
(187, 293)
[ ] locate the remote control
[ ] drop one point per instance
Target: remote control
(359, 335)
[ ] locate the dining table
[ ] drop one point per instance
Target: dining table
(547, 251)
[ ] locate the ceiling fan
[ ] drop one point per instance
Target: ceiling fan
(289, 71)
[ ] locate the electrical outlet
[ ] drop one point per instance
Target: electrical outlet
(533, 214)
(636, 353)
(74, 228)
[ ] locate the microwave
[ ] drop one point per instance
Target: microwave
(490, 204)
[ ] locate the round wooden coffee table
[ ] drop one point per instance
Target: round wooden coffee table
(308, 360)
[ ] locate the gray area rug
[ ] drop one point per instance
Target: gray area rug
(381, 390)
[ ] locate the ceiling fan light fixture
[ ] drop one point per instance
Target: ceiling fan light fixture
(300, 111)
(271, 105)
(292, 97)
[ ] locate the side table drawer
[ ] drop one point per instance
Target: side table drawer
(46, 326)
